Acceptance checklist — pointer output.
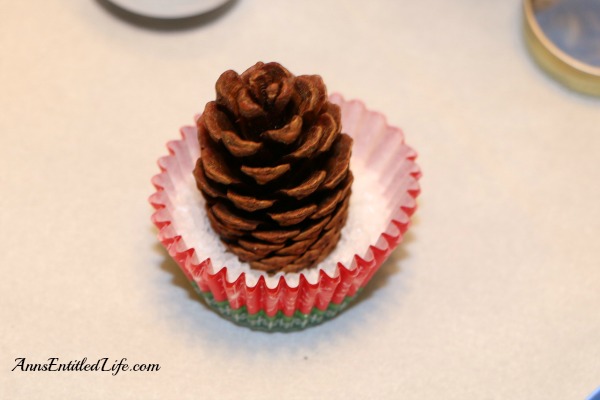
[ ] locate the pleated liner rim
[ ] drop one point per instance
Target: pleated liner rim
(283, 297)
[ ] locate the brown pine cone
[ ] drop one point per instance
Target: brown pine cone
(274, 167)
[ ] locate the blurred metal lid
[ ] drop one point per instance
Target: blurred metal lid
(564, 38)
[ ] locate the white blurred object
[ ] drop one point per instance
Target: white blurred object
(169, 8)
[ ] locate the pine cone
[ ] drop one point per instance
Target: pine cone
(274, 167)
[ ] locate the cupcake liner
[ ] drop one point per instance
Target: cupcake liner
(289, 301)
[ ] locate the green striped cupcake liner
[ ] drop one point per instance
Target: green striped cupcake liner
(277, 323)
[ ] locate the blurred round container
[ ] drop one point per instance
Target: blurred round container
(564, 38)
(169, 9)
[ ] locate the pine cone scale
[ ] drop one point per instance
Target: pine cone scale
(203, 184)
(225, 216)
(288, 134)
(271, 264)
(308, 187)
(263, 175)
(227, 87)
(339, 214)
(260, 247)
(214, 163)
(311, 95)
(247, 107)
(248, 203)
(276, 236)
(314, 230)
(327, 205)
(225, 231)
(337, 166)
(329, 126)
(238, 146)
(293, 217)
(310, 145)
(296, 248)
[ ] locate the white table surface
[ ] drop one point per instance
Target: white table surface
(495, 294)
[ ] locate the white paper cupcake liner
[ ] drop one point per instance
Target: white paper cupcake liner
(382, 201)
